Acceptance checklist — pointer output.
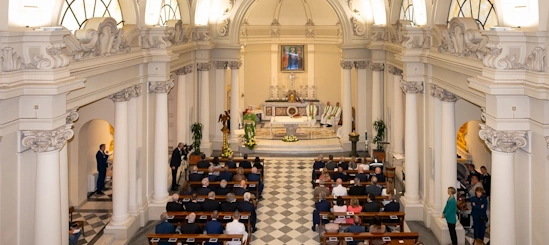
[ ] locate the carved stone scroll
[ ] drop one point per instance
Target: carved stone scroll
(502, 141)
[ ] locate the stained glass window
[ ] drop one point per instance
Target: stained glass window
(169, 11)
(76, 12)
(407, 11)
(482, 11)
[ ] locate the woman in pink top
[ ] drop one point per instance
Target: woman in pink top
(355, 208)
(340, 207)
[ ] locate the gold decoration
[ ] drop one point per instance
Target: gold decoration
(460, 139)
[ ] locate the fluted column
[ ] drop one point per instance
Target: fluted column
(347, 108)
(503, 145)
(377, 104)
(48, 225)
(183, 121)
(64, 178)
(362, 109)
(161, 89)
(397, 144)
(204, 106)
(235, 98)
(411, 157)
(132, 146)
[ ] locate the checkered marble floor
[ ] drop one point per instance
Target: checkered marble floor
(94, 222)
(285, 212)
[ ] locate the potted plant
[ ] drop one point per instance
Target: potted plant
(196, 129)
(379, 152)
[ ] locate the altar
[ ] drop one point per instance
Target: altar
(286, 109)
(291, 124)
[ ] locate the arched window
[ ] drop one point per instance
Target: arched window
(407, 11)
(76, 12)
(169, 11)
(482, 11)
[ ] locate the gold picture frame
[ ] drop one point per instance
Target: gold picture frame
(292, 58)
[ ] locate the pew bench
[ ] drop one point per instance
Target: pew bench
(347, 159)
(348, 171)
(233, 171)
(234, 184)
(202, 217)
(154, 239)
(361, 199)
(348, 183)
(236, 160)
(387, 218)
(220, 198)
(406, 238)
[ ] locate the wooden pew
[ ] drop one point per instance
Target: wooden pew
(198, 238)
(397, 217)
(348, 171)
(234, 184)
(220, 198)
(347, 159)
(232, 171)
(348, 183)
(407, 238)
(236, 160)
(203, 217)
(361, 199)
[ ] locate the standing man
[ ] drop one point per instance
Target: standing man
(101, 157)
(175, 162)
(334, 115)
(311, 112)
(324, 116)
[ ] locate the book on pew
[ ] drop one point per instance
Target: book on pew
(352, 182)
(203, 217)
(190, 239)
(252, 185)
(155, 239)
(324, 217)
(350, 213)
(317, 181)
(386, 239)
(200, 200)
(227, 217)
(170, 217)
(172, 240)
(216, 173)
(244, 217)
(212, 240)
(348, 239)
(401, 241)
(333, 239)
(200, 172)
(236, 185)
(186, 199)
(393, 217)
(341, 217)
(236, 240)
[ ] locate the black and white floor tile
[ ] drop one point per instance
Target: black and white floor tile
(94, 222)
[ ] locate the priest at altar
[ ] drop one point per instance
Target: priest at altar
(331, 114)
(311, 112)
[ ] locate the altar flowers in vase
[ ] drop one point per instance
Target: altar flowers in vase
(249, 130)
(227, 151)
(290, 138)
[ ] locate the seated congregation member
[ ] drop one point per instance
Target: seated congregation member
(339, 190)
(325, 175)
(475, 183)
(361, 175)
(229, 205)
(212, 175)
(223, 189)
(239, 176)
(248, 206)
(379, 175)
(355, 228)
(225, 174)
(353, 207)
(321, 188)
(174, 205)
(331, 227)
(392, 205)
(195, 176)
(235, 227)
(389, 188)
(257, 164)
(203, 162)
(343, 164)
(339, 207)
(331, 165)
(245, 163)
(230, 163)
(254, 176)
(486, 180)
(239, 191)
(215, 162)
(190, 227)
(357, 189)
(164, 227)
(371, 205)
(375, 164)
(318, 165)
(213, 227)
(321, 206)
(204, 190)
(373, 189)
(186, 189)
(193, 205)
(352, 164)
(74, 233)
(210, 204)
(340, 174)
(376, 228)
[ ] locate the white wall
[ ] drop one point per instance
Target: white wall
(481, 155)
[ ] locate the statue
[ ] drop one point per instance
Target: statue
(225, 149)
(224, 119)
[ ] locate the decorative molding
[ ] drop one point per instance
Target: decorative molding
(346, 65)
(231, 6)
(397, 33)
(433, 91)
(394, 70)
(122, 95)
(462, 38)
(275, 32)
(10, 60)
(310, 32)
(376, 66)
(244, 28)
(310, 23)
(502, 141)
(73, 116)
(223, 29)
(220, 64)
(145, 41)
(234, 64)
(203, 66)
(358, 27)
(411, 87)
(446, 96)
(536, 60)
(184, 70)
(136, 90)
(47, 140)
(379, 34)
(275, 23)
(201, 34)
(161, 87)
(350, 4)
(483, 113)
(48, 57)
(361, 64)
(177, 33)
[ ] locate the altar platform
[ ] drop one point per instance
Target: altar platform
(303, 146)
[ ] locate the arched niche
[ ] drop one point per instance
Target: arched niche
(470, 147)
(92, 134)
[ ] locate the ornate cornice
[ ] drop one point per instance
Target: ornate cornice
(446, 96)
(502, 141)
(47, 140)
(346, 65)
(411, 87)
(235, 64)
(184, 70)
(136, 90)
(394, 70)
(160, 86)
(220, 64)
(483, 114)
(361, 64)
(203, 66)
(73, 116)
(377, 66)
(122, 95)
(433, 90)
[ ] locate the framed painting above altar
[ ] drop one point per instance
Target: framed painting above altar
(292, 58)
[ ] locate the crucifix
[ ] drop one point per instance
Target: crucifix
(292, 80)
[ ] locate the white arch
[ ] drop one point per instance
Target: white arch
(393, 14)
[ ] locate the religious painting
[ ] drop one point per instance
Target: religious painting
(292, 58)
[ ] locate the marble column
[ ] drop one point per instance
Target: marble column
(411, 157)
(183, 121)
(120, 187)
(235, 98)
(439, 193)
(48, 225)
(397, 144)
(219, 93)
(64, 178)
(132, 146)
(204, 106)
(346, 99)
(448, 140)
(161, 89)
(362, 109)
(503, 145)
(377, 103)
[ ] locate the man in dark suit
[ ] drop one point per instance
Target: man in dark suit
(247, 206)
(379, 175)
(392, 206)
(229, 205)
(230, 163)
(210, 204)
(101, 157)
(340, 175)
(254, 176)
(226, 175)
(371, 205)
(213, 175)
(373, 189)
(193, 205)
(204, 190)
(486, 180)
(190, 227)
(164, 227)
(239, 191)
(203, 163)
(361, 175)
(317, 165)
(223, 189)
(357, 189)
(213, 227)
(195, 176)
(245, 163)
(355, 228)
(472, 172)
(175, 162)
(342, 163)
(174, 205)
(331, 165)
(321, 206)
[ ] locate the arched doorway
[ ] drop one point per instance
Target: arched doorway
(92, 134)
(471, 148)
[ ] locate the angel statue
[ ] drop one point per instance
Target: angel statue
(224, 118)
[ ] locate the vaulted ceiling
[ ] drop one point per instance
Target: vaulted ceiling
(291, 12)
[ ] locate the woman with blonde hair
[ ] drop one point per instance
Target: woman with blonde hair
(354, 207)
(449, 214)
(325, 175)
(389, 189)
(331, 227)
(239, 176)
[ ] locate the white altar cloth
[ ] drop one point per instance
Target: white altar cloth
(291, 124)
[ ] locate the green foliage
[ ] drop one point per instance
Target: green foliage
(196, 129)
(379, 126)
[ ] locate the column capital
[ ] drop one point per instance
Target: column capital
(361, 64)
(160, 86)
(122, 95)
(411, 87)
(346, 65)
(73, 116)
(47, 140)
(184, 70)
(502, 140)
(220, 64)
(442, 94)
(377, 66)
(395, 70)
(234, 65)
(203, 66)
(546, 141)
(136, 90)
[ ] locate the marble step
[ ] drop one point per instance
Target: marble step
(302, 146)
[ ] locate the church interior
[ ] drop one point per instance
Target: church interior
(433, 92)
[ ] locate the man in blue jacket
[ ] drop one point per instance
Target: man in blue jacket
(101, 157)
(164, 227)
(213, 227)
(355, 228)
(254, 176)
(321, 206)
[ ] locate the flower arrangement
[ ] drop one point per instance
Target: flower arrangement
(290, 138)
(250, 142)
(226, 152)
